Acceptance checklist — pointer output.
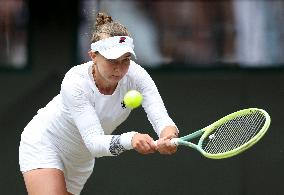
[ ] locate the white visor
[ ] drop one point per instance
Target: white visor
(114, 47)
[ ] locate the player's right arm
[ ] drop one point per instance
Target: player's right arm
(76, 98)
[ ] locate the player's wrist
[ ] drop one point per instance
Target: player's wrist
(126, 140)
(169, 132)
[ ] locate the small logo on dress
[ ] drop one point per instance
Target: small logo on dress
(122, 39)
(123, 105)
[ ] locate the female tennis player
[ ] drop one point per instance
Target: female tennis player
(59, 145)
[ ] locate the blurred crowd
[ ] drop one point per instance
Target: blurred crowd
(247, 33)
(243, 32)
(13, 33)
(190, 33)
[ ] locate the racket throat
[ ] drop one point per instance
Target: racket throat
(189, 144)
(193, 135)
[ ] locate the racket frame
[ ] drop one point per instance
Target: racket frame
(207, 130)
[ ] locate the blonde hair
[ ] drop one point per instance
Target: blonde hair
(106, 27)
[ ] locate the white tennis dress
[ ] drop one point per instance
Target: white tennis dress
(75, 127)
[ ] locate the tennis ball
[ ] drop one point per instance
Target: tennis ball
(133, 99)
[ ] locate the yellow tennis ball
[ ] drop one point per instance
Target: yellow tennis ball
(133, 99)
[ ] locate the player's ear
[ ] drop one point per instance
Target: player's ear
(92, 54)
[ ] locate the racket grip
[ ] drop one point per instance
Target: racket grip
(173, 141)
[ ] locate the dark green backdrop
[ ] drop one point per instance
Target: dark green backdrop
(193, 99)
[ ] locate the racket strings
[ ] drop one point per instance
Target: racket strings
(234, 133)
(232, 139)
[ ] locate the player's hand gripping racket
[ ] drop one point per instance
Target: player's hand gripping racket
(229, 135)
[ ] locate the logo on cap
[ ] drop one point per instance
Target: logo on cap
(122, 39)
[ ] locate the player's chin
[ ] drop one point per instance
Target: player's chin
(115, 78)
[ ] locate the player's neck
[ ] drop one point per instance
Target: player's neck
(106, 90)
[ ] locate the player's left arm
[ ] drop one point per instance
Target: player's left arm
(155, 109)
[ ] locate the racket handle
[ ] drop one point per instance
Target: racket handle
(173, 141)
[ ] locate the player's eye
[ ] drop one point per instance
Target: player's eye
(111, 61)
(126, 60)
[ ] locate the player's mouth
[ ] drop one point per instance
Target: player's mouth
(116, 77)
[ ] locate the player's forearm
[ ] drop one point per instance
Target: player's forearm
(108, 145)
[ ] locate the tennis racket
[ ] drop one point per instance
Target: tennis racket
(229, 135)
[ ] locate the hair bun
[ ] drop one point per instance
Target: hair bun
(103, 18)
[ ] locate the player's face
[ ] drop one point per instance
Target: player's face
(112, 70)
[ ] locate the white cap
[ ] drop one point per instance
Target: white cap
(114, 47)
